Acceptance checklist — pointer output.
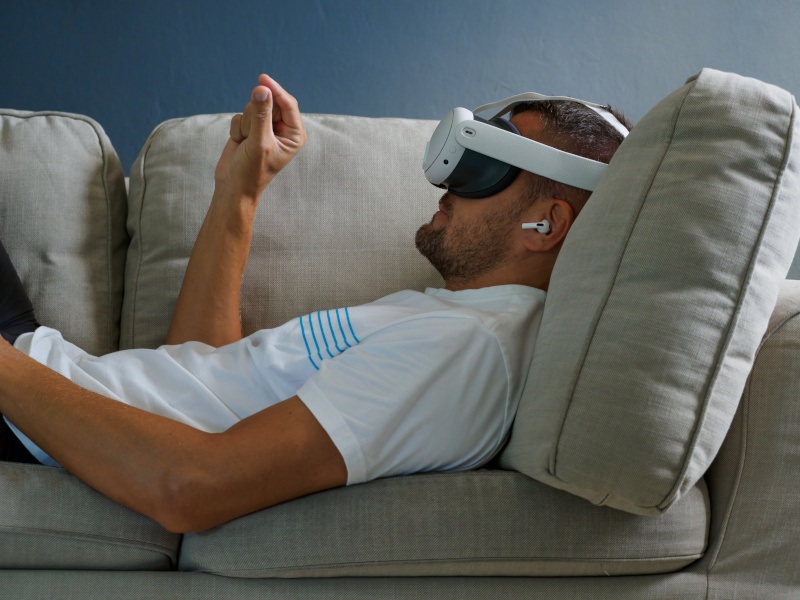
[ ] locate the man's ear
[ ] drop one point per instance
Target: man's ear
(558, 213)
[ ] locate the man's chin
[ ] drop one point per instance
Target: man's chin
(429, 241)
(425, 231)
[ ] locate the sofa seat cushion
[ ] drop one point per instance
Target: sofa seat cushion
(481, 523)
(50, 520)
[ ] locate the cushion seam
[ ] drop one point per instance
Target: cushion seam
(743, 295)
(87, 537)
(737, 480)
(109, 253)
(742, 458)
(493, 560)
(598, 317)
(138, 267)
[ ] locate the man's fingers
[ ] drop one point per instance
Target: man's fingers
(260, 113)
(263, 140)
(289, 111)
(236, 129)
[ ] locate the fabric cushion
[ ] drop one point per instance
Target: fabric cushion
(335, 228)
(62, 220)
(50, 520)
(482, 523)
(660, 297)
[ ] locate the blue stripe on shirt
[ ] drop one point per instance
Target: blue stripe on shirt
(305, 341)
(314, 337)
(333, 333)
(347, 314)
(344, 335)
(322, 331)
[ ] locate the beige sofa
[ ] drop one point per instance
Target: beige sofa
(104, 265)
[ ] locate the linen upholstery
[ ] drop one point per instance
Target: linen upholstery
(62, 207)
(756, 491)
(483, 523)
(50, 520)
(676, 260)
(335, 228)
(76, 585)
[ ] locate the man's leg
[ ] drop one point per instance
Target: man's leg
(16, 310)
(16, 318)
(11, 449)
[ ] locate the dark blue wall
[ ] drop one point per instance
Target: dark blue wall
(131, 65)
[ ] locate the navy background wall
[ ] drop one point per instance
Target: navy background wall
(132, 64)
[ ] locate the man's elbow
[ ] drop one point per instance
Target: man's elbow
(180, 502)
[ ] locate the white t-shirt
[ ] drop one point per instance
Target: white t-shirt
(411, 382)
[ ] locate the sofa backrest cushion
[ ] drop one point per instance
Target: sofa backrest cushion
(660, 297)
(335, 228)
(62, 220)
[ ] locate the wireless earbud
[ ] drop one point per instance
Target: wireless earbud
(541, 226)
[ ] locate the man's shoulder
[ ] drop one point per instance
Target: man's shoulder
(434, 312)
(499, 297)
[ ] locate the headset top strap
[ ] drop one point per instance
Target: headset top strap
(507, 104)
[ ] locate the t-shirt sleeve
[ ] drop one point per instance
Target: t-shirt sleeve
(424, 394)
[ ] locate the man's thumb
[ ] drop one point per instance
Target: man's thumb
(262, 105)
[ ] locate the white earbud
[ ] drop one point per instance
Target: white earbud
(541, 226)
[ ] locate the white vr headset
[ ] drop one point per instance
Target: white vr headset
(475, 158)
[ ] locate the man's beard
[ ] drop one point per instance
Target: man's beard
(467, 251)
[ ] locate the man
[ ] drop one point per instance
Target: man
(213, 426)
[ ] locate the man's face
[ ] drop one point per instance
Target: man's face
(466, 237)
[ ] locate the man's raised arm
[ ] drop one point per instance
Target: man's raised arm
(184, 478)
(263, 140)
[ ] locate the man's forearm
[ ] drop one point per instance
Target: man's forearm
(208, 306)
(125, 453)
(183, 478)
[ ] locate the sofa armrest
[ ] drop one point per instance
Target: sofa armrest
(754, 483)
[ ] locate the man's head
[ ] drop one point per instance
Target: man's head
(574, 128)
(480, 242)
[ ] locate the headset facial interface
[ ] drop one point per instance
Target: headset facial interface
(475, 158)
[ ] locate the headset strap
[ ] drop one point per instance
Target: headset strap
(509, 103)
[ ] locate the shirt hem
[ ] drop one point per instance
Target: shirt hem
(336, 427)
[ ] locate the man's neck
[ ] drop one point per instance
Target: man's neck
(511, 275)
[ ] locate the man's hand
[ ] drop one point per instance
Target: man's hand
(263, 140)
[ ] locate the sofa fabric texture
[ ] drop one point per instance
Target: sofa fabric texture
(62, 220)
(754, 480)
(677, 260)
(50, 520)
(335, 228)
(483, 523)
